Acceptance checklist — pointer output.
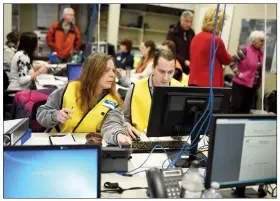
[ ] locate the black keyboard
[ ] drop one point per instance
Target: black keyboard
(147, 146)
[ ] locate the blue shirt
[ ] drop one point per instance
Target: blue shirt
(124, 59)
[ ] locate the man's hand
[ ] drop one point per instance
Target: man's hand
(187, 63)
(132, 132)
(123, 139)
(63, 115)
(121, 72)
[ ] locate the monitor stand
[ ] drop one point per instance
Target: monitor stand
(186, 163)
(242, 192)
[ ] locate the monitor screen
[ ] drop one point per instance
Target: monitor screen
(74, 71)
(242, 150)
(51, 173)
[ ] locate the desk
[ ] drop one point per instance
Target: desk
(138, 180)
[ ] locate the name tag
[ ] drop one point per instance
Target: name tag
(110, 104)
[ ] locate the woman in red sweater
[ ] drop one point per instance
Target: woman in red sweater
(200, 53)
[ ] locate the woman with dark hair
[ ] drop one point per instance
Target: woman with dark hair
(145, 66)
(10, 49)
(88, 104)
(22, 70)
(124, 58)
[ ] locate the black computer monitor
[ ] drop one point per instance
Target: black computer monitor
(242, 151)
(176, 110)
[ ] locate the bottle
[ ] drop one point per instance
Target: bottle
(213, 192)
(192, 182)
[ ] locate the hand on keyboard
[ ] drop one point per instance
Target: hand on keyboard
(132, 132)
(123, 139)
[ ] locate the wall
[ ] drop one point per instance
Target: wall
(7, 20)
(27, 18)
(244, 11)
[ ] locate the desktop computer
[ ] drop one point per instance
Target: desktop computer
(70, 171)
(242, 152)
(175, 111)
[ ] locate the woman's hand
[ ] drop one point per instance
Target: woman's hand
(63, 115)
(123, 139)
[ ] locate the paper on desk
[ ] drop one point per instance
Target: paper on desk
(63, 140)
(46, 79)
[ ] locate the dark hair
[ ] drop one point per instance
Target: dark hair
(127, 43)
(152, 47)
(164, 54)
(171, 45)
(28, 43)
(12, 37)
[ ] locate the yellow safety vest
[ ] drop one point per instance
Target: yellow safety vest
(141, 103)
(80, 122)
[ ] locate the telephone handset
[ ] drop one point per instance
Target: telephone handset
(164, 183)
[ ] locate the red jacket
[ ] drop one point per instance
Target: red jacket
(199, 61)
(61, 43)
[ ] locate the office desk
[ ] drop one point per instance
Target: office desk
(138, 180)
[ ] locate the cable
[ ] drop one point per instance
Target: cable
(98, 28)
(128, 173)
(211, 98)
(114, 187)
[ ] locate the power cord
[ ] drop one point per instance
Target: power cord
(129, 172)
(115, 188)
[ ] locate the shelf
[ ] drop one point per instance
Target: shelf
(131, 28)
(132, 11)
(156, 31)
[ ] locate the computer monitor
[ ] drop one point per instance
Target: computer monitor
(74, 71)
(71, 171)
(242, 151)
(176, 110)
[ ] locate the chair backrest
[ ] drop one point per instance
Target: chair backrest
(26, 104)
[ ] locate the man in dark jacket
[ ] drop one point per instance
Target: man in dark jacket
(181, 35)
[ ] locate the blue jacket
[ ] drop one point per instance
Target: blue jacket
(124, 59)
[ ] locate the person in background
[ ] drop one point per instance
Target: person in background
(248, 75)
(10, 49)
(64, 37)
(124, 58)
(145, 66)
(139, 96)
(87, 105)
(182, 36)
(200, 53)
(170, 46)
(23, 71)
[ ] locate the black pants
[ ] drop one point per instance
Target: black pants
(242, 98)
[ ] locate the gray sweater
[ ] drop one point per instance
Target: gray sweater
(113, 123)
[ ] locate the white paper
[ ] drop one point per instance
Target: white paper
(46, 79)
(64, 140)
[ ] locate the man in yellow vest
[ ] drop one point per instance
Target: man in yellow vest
(139, 97)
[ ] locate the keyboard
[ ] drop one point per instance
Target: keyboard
(147, 146)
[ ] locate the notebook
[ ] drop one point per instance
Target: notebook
(69, 171)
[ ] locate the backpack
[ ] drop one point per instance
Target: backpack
(26, 103)
(270, 102)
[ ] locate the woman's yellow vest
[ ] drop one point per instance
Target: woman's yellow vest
(80, 122)
(141, 100)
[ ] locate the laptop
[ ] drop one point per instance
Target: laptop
(74, 71)
(71, 171)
